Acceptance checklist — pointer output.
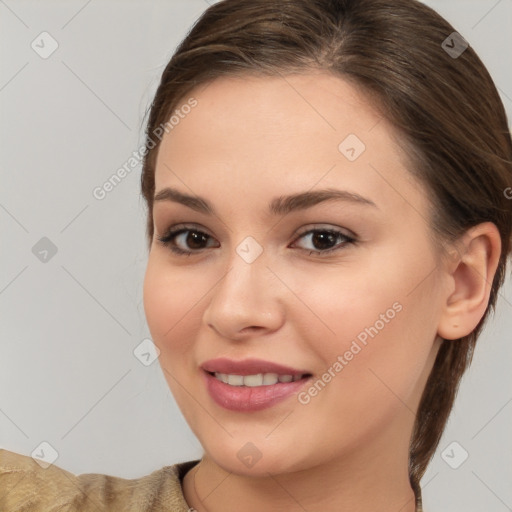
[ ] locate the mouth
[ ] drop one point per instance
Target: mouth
(258, 379)
(249, 395)
(251, 384)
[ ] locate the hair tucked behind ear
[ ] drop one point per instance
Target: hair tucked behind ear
(447, 111)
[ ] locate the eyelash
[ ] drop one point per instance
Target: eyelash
(167, 239)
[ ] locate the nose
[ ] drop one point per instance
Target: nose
(246, 301)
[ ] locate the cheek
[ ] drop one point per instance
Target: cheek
(172, 300)
(172, 307)
(380, 324)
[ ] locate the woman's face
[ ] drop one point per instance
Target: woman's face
(255, 282)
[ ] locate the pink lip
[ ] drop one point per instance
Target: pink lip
(248, 367)
(246, 398)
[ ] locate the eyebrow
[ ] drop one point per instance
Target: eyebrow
(279, 206)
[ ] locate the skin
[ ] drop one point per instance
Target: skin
(245, 143)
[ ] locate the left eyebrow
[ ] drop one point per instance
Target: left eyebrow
(278, 206)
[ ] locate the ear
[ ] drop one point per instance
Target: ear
(469, 275)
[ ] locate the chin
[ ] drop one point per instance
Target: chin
(258, 459)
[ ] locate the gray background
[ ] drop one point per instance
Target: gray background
(68, 375)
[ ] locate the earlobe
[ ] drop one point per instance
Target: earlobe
(470, 276)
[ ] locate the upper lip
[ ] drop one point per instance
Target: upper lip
(248, 367)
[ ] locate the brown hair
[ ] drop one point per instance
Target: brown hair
(446, 109)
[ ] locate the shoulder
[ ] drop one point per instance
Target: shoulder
(25, 485)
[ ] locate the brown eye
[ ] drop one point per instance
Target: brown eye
(324, 241)
(185, 240)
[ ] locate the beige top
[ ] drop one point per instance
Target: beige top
(28, 487)
(25, 486)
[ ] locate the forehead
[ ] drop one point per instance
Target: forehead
(282, 133)
(281, 108)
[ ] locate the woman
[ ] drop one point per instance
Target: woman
(328, 229)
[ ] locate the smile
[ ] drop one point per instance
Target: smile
(259, 379)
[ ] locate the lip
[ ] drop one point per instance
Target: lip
(249, 367)
(247, 398)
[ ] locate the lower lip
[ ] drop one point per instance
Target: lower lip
(246, 398)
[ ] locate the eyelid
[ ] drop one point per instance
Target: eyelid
(187, 225)
(322, 227)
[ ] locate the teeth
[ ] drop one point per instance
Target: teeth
(260, 379)
(235, 380)
(253, 380)
(270, 378)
